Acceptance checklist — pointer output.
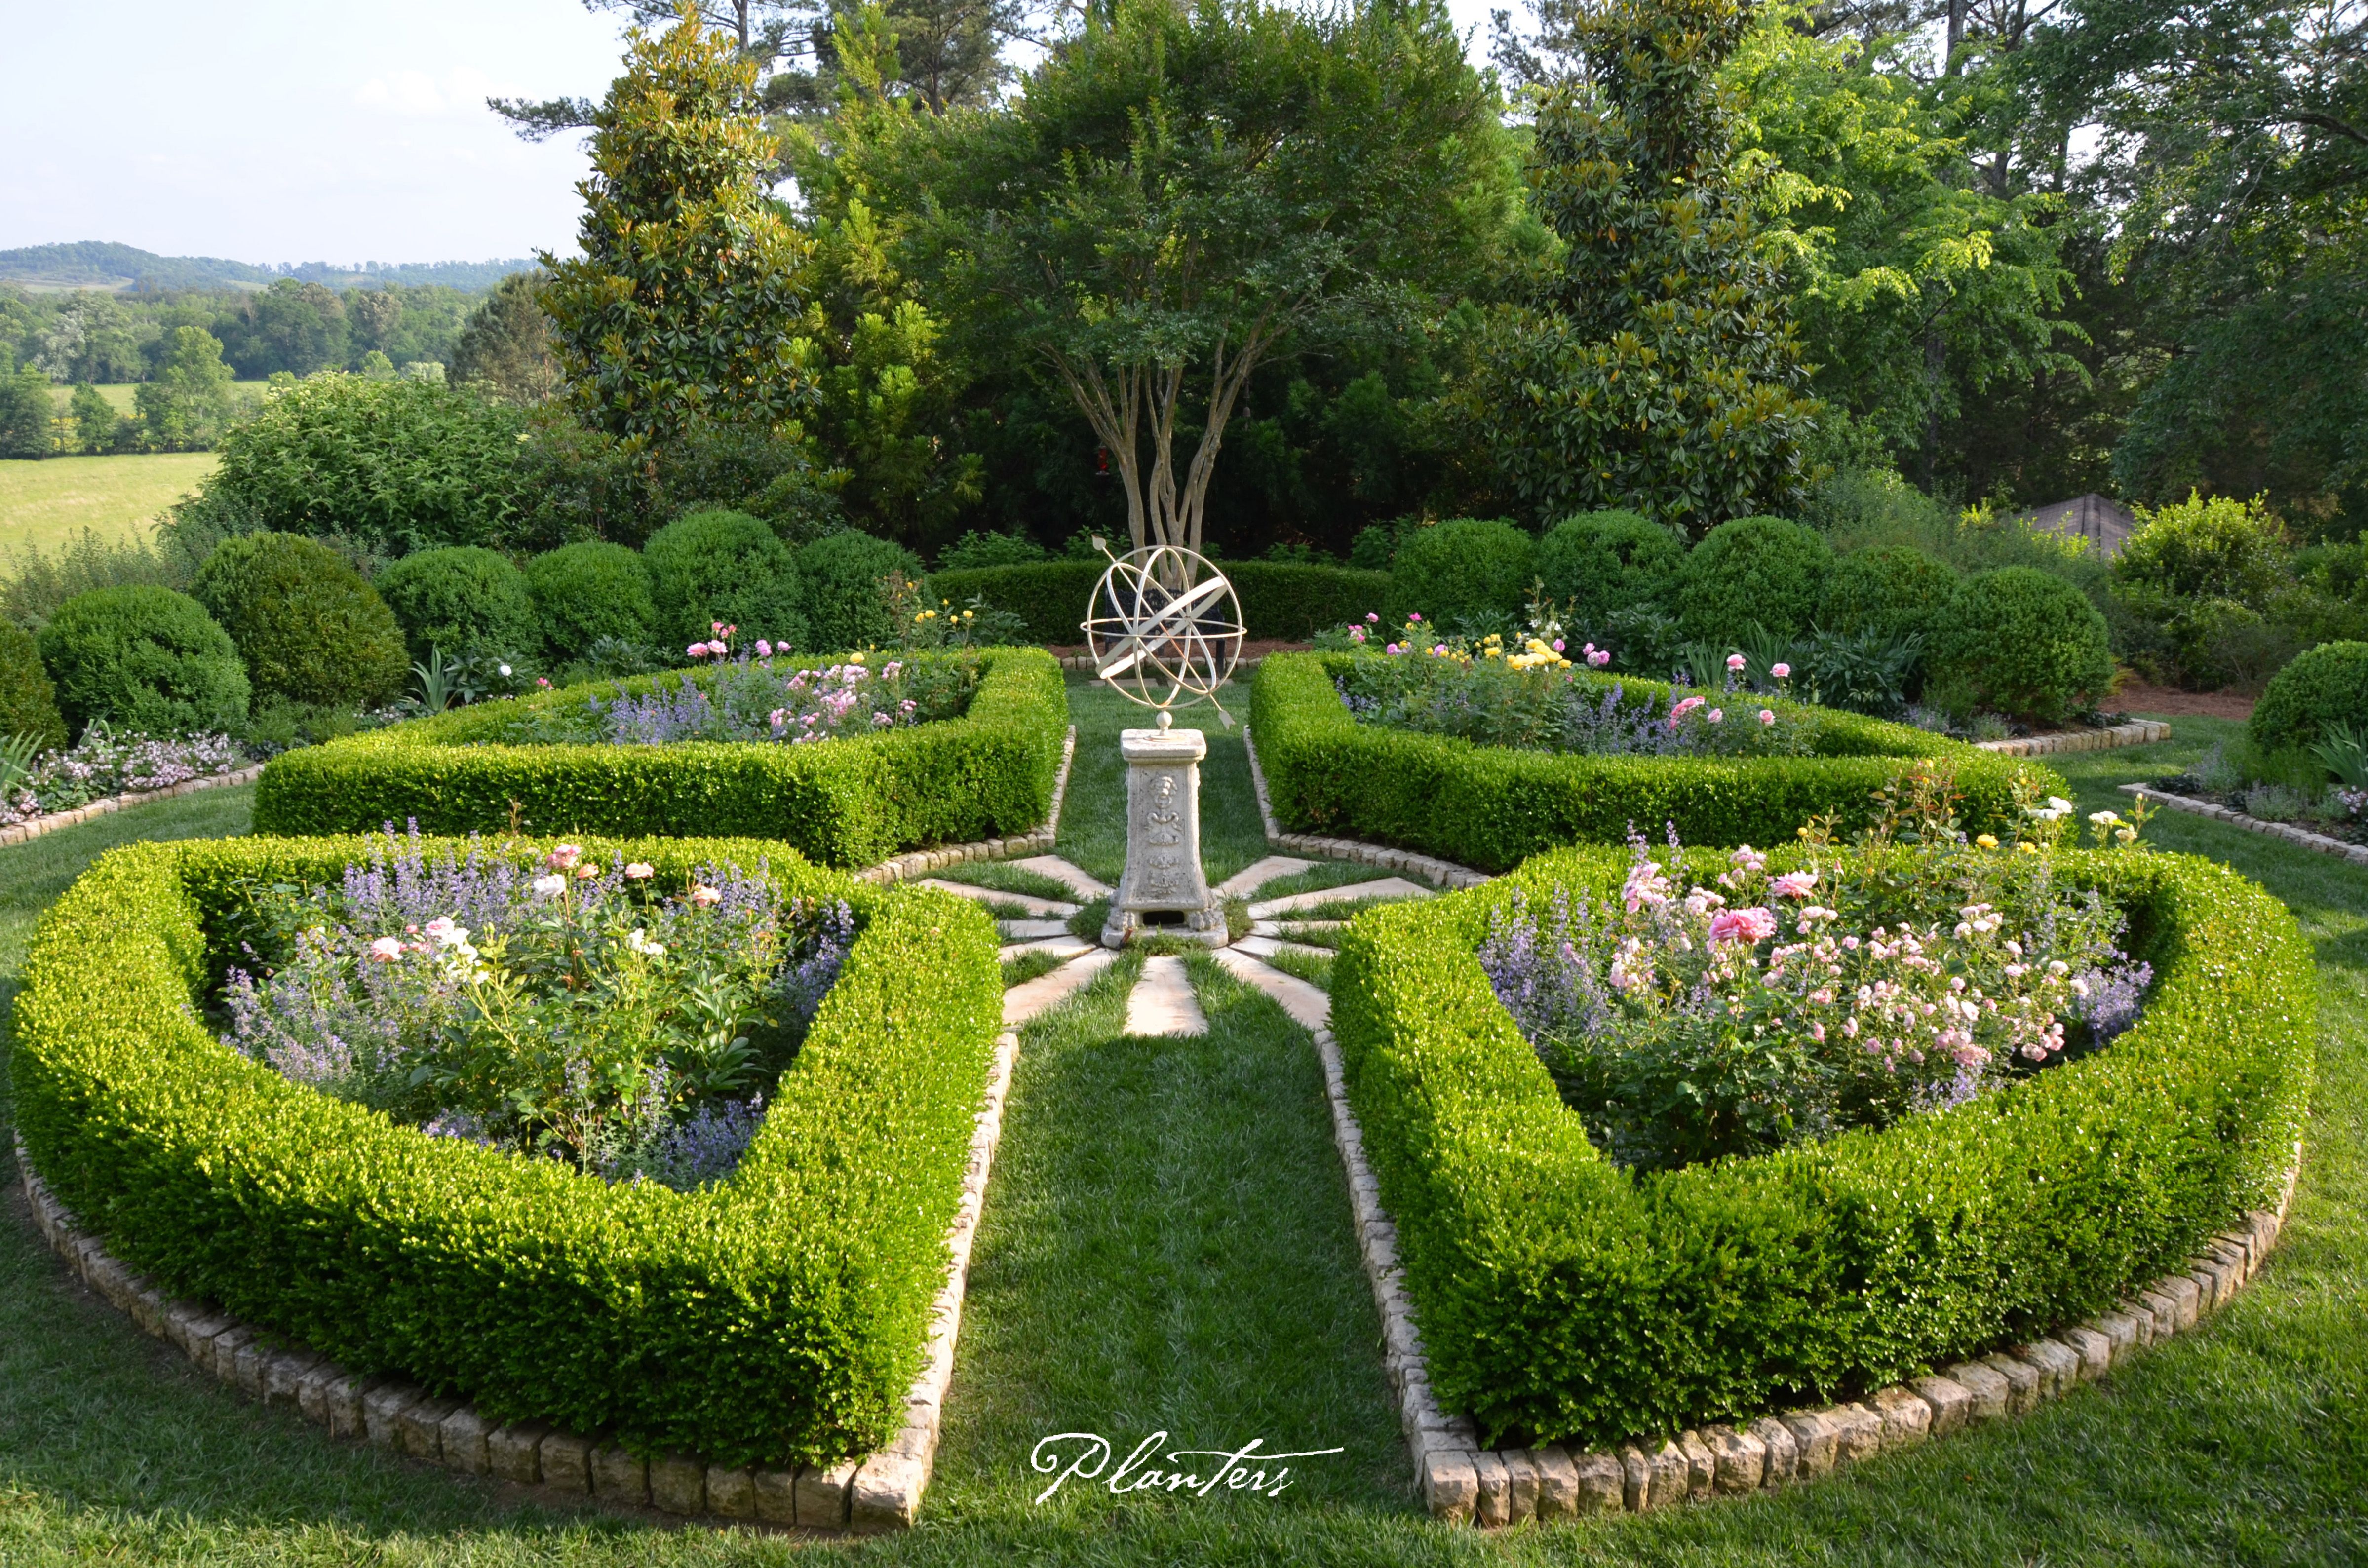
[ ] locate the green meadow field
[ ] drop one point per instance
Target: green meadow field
(44, 503)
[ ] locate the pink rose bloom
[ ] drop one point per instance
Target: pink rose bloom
(1795, 885)
(1752, 924)
(1371, 619)
(386, 949)
(1734, 660)
(542, 681)
(704, 896)
(764, 649)
(562, 856)
(778, 716)
(1765, 717)
(1781, 672)
(1599, 658)
(1412, 618)
(1356, 634)
(697, 650)
(640, 872)
(1439, 649)
(1558, 644)
(1684, 708)
(1716, 715)
(1389, 648)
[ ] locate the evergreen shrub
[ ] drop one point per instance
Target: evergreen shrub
(1472, 571)
(839, 577)
(464, 599)
(2327, 686)
(143, 658)
(1894, 591)
(587, 591)
(728, 567)
(1286, 600)
(29, 702)
(1606, 561)
(2025, 643)
(1763, 569)
(308, 629)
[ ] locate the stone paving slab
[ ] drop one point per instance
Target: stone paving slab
(1308, 1006)
(1061, 871)
(1384, 887)
(1040, 906)
(1062, 948)
(1024, 1001)
(1267, 947)
(1248, 879)
(1032, 930)
(1162, 1002)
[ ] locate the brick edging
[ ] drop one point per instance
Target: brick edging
(2136, 732)
(879, 1492)
(923, 862)
(19, 833)
(1440, 873)
(2316, 843)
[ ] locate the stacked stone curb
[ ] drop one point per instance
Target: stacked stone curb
(879, 1492)
(2136, 732)
(926, 862)
(2316, 843)
(1438, 872)
(39, 825)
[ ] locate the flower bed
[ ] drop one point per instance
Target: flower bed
(1491, 806)
(1563, 1296)
(104, 764)
(778, 1313)
(551, 762)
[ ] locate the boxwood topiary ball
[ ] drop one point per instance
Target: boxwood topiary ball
(144, 658)
(728, 567)
(586, 591)
(1763, 569)
(1464, 570)
(1896, 591)
(840, 576)
(462, 599)
(1602, 561)
(2028, 642)
(28, 703)
(308, 626)
(2326, 686)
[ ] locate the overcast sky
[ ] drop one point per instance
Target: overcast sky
(267, 130)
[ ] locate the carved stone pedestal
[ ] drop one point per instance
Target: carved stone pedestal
(1163, 892)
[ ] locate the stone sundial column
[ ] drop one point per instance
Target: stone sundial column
(1163, 843)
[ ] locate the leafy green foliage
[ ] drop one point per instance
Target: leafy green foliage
(505, 346)
(29, 702)
(464, 599)
(307, 626)
(585, 592)
(728, 567)
(786, 1309)
(2325, 687)
(975, 549)
(2217, 547)
(1279, 599)
(1597, 562)
(2026, 643)
(26, 412)
(1657, 366)
(847, 802)
(189, 404)
(1466, 570)
(143, 658)
(1897, 592)
(1763, 569)
(97, 423)
(841, 580)
(1530, 1257)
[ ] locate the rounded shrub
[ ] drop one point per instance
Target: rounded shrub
(28, 703)
(726, 566)
(145, 658)
(462, 599)
(308, 629)
(1896, 591)
(2215, 548)
(1467, 569)
(2025, 643)
(840, 576)
(2326, 686)
(585, 592)
(1763, 569)
(1602, 561)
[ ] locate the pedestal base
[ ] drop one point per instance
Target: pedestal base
(1163, 892)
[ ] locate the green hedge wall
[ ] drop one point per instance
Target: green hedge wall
(1279, 599)
(1562, 1298)
(1493, 807)
(778, 1315)
(845, 802)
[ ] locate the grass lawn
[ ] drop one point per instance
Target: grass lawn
(46, 502)
(1166, 1246)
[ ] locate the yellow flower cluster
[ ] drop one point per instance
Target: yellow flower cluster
(1537, 655)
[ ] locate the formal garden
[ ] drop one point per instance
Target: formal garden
(604, 963)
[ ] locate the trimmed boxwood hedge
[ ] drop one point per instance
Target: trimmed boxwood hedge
(845, 802)
(1562, 1298)
(1493, 807)
(1279, 599)
(778, 1315)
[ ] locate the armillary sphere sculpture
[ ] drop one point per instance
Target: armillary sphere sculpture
(1164, 628)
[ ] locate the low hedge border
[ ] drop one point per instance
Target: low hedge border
(845, 802)
(1439, 873)
(1493, 807)
(1569, 1303)
(924, 862)
(1279, 600)
(779, 1317)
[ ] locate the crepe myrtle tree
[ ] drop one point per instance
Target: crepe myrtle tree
(1183, 191)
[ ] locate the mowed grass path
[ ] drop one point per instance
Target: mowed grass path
(45, 503)
(1166, 1247)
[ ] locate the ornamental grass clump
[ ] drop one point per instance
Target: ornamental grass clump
(1695, 1017)
(565, 1010)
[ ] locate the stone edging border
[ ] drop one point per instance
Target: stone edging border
(879, 1491)
(922, 862)
(2136, 732)
(2316, 843)
(1441, 873)
(20, 832)
(1462, 1482)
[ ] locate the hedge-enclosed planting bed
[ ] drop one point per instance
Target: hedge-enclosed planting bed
(778, 1315)
(1279, 600)
(844, 802)
(1492, 807)
(1562, 1298)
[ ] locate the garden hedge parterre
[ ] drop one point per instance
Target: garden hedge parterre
(847, 803)
(1492, 807)
(776, 1316)
(1561, 1298)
